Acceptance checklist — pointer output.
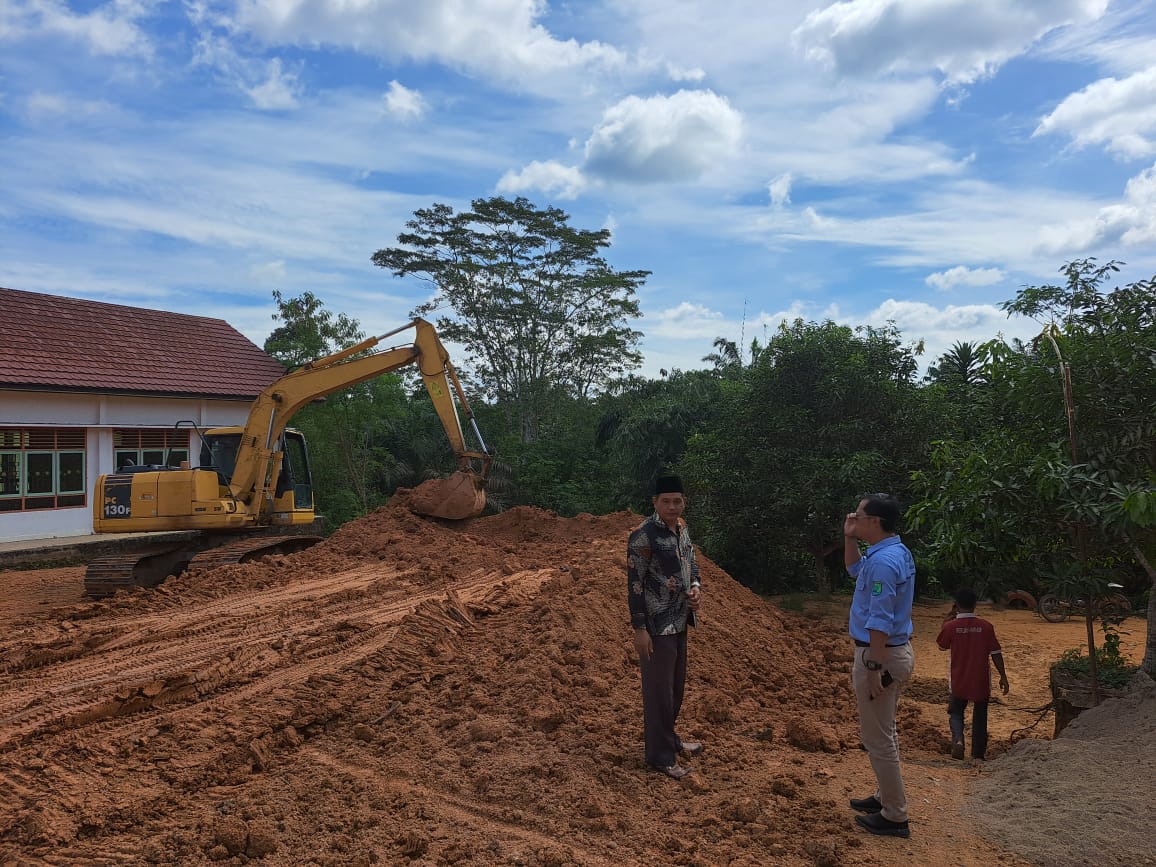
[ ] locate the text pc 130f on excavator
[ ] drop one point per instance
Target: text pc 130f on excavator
(252, 495)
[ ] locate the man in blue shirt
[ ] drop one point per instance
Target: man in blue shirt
(881, 627)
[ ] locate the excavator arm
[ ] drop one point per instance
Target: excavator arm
(259, 458)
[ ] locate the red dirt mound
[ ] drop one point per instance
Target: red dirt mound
(416, 691)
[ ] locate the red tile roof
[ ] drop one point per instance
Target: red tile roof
(52, 343)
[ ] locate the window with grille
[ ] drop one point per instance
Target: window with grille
(42, 468)
(150, 448)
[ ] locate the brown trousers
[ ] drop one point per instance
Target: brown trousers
(663, 683)
(877, 726)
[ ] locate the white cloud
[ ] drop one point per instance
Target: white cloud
(269, 272)
(550, 177)
(817, 221)
(964, 276)
(1120, 113)
(268, 86)
(404, 103)
(678, 73)
(499, 38)
(940, 327)
(1130, 223)
(109, 29)
(664, 138)
(780, 190)
(681, 336)
(684, 321)
(277, 91)
(938, 223)
(963, 39)
(43, 105)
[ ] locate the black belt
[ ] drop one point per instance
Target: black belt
(859, 643)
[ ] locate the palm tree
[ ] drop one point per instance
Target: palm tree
(961, 365)
(726, 355)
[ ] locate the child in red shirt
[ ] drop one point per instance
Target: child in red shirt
(972, 643)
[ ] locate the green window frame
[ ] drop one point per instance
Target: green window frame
(136, 447)
(42, 468)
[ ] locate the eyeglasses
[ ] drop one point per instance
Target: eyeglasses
(860, 516)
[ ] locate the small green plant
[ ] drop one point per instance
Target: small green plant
(1113, 667)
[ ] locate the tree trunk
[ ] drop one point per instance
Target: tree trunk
(1093, 668)
(822, 577)
(1149, 663)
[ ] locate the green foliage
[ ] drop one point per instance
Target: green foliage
(1056, 484)
(1112, 667)
(308, 331)
(823, 415)
(796, 602)
(645, 426)
(538, 310)
(563, 469)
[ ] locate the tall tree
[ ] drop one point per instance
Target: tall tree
(533, 301)
(307, 330)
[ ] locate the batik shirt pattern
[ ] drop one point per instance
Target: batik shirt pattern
(654, 555)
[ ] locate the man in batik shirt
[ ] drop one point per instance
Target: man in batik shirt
(664, 591)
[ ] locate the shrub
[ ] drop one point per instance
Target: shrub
(1112, 667)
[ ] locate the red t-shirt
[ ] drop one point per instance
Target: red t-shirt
(971, 641)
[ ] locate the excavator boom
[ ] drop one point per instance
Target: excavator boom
(258, 459)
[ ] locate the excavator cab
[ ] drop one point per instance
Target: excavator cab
(293, 487)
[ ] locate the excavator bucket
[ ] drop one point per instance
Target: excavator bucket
(459, 496)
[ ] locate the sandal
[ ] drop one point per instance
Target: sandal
(675, 772)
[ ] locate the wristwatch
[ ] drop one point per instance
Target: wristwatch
(872, 665)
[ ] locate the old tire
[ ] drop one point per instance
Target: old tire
(1052, 608)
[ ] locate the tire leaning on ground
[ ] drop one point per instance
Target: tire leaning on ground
(1052, 608)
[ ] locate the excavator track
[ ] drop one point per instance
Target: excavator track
(254, 548)
(148, 567)
(145, 567)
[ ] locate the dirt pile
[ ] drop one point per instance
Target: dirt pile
(1069, 789)
(412, 691)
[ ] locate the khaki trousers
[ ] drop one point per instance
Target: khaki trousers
(877, 726)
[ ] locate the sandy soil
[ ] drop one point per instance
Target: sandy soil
(414, 692)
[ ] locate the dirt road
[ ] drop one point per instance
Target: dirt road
(416, 692)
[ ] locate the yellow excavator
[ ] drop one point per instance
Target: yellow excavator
(252, 494)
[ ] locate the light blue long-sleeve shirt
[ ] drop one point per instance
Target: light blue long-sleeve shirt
(884, 591)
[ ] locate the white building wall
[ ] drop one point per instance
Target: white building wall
(100, 414)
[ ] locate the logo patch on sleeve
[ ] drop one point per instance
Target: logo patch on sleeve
(876, 588)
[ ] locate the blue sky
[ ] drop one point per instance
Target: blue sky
(865, 161)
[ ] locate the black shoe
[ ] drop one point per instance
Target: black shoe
(877, 824)
(957, 750)
(866, 805)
